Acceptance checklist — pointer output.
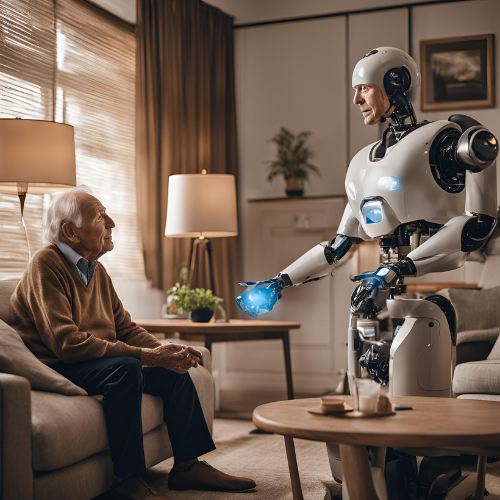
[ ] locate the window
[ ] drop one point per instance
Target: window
(88, 82)
(27, 52)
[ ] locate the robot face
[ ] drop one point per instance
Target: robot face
(373, 103)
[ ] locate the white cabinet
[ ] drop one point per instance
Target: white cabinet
(278, 232)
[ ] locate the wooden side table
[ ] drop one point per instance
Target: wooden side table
(235, 330)
(467, 426)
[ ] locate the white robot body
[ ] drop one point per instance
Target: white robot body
(383, 192)
(422, 352)
(436, 180)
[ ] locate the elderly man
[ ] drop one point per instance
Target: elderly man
(68, 313)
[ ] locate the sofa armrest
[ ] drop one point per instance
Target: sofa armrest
(486, 335)
(16, 473)
(206, 360)
(475, 345)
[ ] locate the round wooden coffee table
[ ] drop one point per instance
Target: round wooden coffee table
(468, 426)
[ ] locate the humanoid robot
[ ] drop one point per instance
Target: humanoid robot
(427, 190)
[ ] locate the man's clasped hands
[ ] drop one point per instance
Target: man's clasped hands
(175, 357)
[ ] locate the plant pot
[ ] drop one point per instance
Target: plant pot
(294, 187)
(201, 315)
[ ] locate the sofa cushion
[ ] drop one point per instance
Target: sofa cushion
(67, 430)
(481, 397)
(476, 309)
(490, 277)
(17, 359)
(7, 288)
(477, 377)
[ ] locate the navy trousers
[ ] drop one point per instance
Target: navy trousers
(122, 381)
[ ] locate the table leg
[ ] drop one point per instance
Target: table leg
(288, 365)
(481, 476)
(357, 473)
(292, 467)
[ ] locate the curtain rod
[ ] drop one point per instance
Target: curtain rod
(343, 13)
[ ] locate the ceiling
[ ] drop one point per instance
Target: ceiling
(124, 9)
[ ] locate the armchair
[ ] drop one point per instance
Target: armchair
(477, 372)
(54, 446)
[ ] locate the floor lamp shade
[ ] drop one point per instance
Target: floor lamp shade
(201, 205)
(36, 155)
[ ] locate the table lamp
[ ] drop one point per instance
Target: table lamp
(36, 155)
(201, 206)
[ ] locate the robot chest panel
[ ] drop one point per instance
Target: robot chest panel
(400, 187)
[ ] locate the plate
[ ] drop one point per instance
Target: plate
(316, 410)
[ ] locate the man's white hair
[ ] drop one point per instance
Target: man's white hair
(63, 208)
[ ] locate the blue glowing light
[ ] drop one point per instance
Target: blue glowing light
(373, 215)
(389, 183)
(259, 299)
(394, 184)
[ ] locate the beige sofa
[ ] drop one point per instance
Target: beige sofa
(54, 447)
(477, 372)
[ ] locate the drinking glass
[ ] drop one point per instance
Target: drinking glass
(365, 398)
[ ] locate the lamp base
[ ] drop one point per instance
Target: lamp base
(21, 192)
(206, 245)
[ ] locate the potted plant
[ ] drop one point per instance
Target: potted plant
(199, 303)
(293, 161)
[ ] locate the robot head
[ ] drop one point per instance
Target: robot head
(390, 69)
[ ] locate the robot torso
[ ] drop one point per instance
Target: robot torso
(403, 186)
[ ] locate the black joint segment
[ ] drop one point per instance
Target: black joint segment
(463, 121)
(285, 279)
(330, 255)
(340, 245)
(477, 232)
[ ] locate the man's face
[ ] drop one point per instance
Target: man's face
(93, 238)
(373, 103)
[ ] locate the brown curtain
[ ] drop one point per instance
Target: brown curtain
(186, 122)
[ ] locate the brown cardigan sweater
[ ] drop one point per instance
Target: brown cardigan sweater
(59, 318)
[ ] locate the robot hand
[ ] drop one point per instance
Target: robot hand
(362, 299)
(388, 273)
(372, 282)
(261, 297)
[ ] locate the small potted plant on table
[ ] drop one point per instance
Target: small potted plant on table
(199, 303)
(293, 161)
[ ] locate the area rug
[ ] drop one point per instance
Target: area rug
(262, 457)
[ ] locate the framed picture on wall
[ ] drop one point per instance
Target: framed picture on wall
(457, 73)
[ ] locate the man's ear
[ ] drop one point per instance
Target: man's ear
(69, 232)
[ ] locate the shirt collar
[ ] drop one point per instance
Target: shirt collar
(71, 255)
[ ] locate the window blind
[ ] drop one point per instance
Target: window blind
(95, 84)
(27, 55)
(86, 80)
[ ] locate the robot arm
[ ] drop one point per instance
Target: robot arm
(315, 264)
(477, 147)
(446, 250)
(449, 247)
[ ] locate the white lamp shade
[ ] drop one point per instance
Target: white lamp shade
(201, 205)
(36, 154)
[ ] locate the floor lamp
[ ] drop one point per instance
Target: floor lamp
(36, 155)
(201, 206)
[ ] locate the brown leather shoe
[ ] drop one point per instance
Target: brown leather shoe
(134, 488)
(202, 476)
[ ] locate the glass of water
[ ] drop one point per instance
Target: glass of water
(365, 399)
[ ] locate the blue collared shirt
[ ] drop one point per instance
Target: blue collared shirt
(78, 263)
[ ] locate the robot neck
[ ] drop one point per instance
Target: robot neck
(403, 110)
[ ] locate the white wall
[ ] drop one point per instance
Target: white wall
(139, 299)
(478, 17)
(251, 11)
